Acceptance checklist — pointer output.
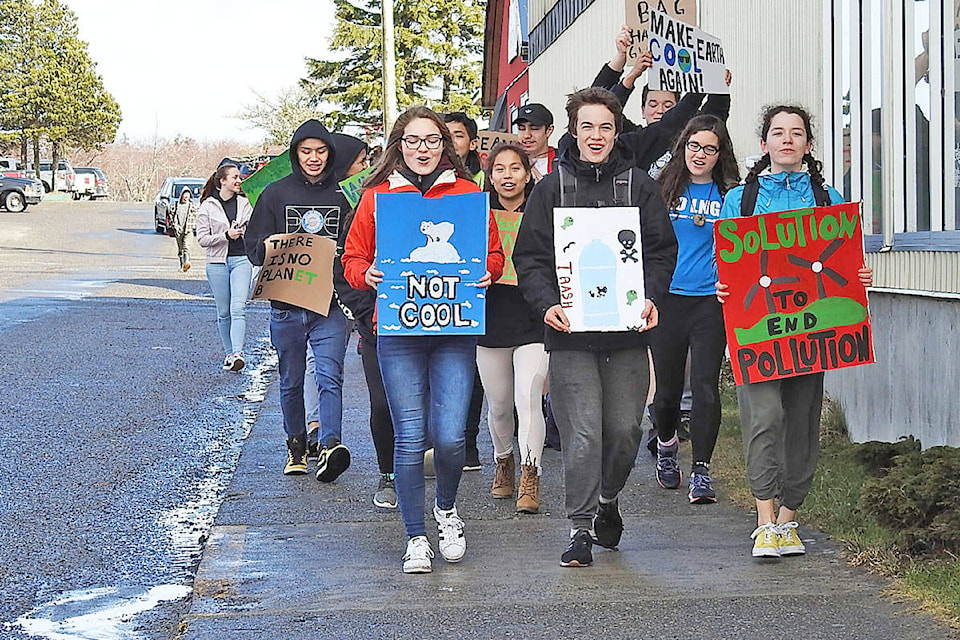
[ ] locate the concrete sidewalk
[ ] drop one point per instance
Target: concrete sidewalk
(293, 558)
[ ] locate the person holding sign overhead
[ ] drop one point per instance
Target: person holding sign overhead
(510, 356)
(598, 379)
(780, 418)
(428, 378)
(307, 203)
(221, 224)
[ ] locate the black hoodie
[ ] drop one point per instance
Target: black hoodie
(348, 148)
(534, 258)
(281, 205)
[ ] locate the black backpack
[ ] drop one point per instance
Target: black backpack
(752, 189)
(622, 189)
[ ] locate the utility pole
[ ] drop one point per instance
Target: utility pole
(389, 60)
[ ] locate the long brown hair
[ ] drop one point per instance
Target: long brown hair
(676, 175)
(392, 157)
(213, 182)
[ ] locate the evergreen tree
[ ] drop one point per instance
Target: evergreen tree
(438, 52)
(50, 88)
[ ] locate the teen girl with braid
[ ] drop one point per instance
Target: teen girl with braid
(780, 419)
(701, 170)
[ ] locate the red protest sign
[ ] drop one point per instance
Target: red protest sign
(796, 305)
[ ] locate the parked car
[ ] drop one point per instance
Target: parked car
(166, 199)
(17, 193)
(91, 183)
(11, 168)
(66, 177)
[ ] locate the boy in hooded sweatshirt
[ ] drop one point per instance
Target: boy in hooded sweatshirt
(283, 206)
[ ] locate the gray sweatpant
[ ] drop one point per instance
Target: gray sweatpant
(780, 421)
(597, 400)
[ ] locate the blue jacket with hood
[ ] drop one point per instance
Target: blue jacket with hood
(280, 207)
(785, 191)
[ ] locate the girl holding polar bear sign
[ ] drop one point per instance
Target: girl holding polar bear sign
(428, 379)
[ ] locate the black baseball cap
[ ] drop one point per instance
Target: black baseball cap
(536, 114)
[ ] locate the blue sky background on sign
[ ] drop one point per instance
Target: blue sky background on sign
(432, 252)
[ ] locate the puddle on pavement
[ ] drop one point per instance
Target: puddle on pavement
(109, 613)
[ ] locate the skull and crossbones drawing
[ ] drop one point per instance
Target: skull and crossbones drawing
(627, 238)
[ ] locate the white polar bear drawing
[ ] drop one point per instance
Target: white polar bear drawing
(438, 247)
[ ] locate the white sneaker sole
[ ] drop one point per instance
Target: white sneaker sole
(455, 557)
(417, 568)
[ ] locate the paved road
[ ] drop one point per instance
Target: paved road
(118, 429)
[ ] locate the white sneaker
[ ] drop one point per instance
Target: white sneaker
(452, 543)
(417, 557)
(238, 362)
(228, 362)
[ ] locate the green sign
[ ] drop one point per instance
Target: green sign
(277, 168)
(352, 186)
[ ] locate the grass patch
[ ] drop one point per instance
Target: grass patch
(833, 506)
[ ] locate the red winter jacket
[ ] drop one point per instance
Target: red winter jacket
(360, 248)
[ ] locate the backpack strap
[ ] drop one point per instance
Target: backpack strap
(623, 189)
(749, 200)
(568, 188)
(820, 195)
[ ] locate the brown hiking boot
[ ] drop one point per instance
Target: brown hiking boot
(504, 478)
(528, 498)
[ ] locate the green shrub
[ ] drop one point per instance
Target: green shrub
(917, 499)
(877, 457)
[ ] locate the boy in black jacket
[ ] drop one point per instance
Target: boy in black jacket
(598, 380)
(306, 201)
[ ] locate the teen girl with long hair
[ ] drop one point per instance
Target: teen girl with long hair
(702, 169)
(221, 224)
(780, 419)
(428, 379)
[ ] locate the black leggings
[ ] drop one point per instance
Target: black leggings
(694, 323)
(381, 426)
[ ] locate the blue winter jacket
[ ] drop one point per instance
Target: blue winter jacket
(784, 191)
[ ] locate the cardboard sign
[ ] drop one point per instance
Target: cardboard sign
(638, 20)
(352, 187)
(599, 261)
(433, 253)
(796, 304)
(508, 224)
(277, 168)
(487, 140)
(685, 59)
(298, 270)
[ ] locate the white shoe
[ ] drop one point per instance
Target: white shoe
(417, 557)
(228, 362)
(238, 362)
(452, 544)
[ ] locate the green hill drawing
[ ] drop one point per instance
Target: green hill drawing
(829, 313)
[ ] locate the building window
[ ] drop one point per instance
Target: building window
(892, 137)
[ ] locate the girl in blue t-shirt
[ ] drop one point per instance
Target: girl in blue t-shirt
(703, 168)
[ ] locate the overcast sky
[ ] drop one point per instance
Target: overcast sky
(184, 67)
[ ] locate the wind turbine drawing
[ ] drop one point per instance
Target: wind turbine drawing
(819, 269)
(764, 283)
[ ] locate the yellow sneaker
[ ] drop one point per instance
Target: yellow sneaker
(766, 541)
(790, 543)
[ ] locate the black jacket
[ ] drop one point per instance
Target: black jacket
(534, 256)
(511, 322)
(281, 204)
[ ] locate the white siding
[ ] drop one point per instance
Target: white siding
(917, 271)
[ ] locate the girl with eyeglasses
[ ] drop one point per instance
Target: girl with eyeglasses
(780, 419)
(701, 170)
(428, 379)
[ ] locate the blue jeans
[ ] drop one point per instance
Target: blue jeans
(230, 284)
(291, 331)
(428, 380)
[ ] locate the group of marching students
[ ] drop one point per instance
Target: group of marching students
(680, 173)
